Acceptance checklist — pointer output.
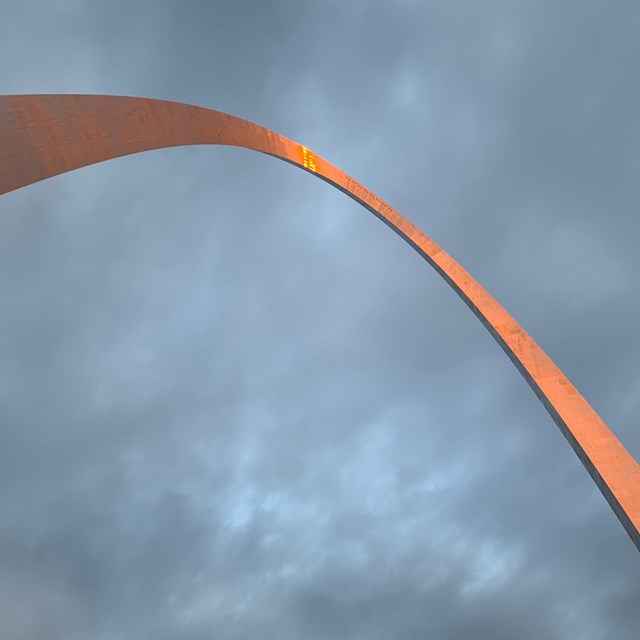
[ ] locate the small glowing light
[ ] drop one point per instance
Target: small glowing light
(308, 159)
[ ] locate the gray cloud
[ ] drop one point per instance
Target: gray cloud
(233, 405)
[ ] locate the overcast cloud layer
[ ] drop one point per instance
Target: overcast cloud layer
(234, 405)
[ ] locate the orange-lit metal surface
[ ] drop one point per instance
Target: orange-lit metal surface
(45, 135)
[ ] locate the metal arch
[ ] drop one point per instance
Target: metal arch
(45, 135)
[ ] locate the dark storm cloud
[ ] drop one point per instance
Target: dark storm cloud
(232, 404)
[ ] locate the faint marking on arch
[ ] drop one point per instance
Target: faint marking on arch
(46, 135)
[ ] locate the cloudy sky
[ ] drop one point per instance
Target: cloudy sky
(234, 405)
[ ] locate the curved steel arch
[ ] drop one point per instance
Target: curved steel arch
(45, 135)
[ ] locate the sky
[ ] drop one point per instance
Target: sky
(235, 405)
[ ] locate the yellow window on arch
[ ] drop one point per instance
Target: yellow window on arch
(308, 159)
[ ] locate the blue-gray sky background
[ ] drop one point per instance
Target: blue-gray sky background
(234, 405)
